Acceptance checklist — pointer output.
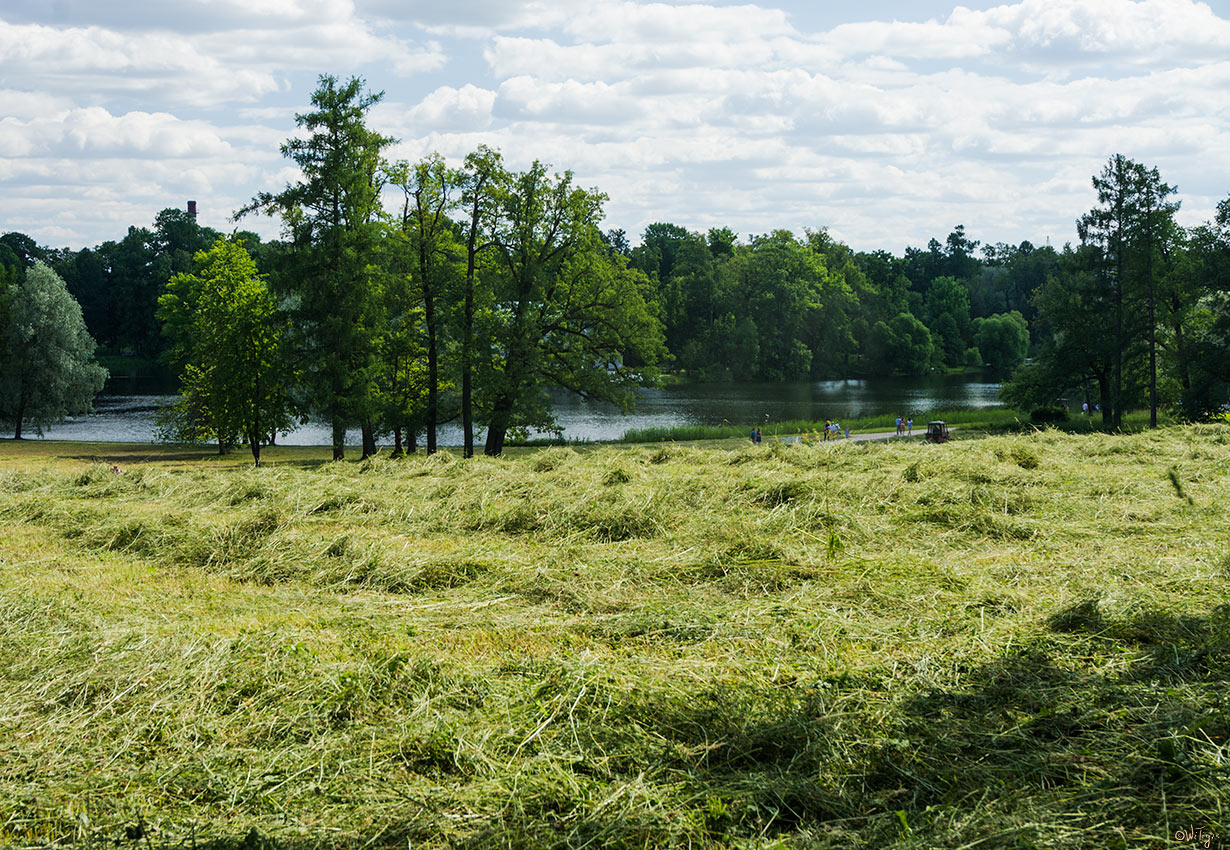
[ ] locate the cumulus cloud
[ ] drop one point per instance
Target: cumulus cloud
(94, 132)
(447, 108)
(203, 69)
(1045, 33)
(755, 116)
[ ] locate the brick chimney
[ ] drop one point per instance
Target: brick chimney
(192, 208)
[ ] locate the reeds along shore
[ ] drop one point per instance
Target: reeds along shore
(1019, 641)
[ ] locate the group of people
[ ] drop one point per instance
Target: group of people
(905, 426)
(833, 430)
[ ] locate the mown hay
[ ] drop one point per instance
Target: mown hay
(1014, 641)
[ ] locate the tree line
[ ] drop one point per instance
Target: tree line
(1137, 313)
(480, 288)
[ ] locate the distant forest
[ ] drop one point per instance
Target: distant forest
(485, 286)
(774, 307)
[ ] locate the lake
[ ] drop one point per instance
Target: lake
(126, 410)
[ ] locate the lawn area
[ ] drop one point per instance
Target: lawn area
(1015, 641)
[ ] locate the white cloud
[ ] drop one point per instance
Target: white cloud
(94, 132)
(1138, 32)
(701, 113)
(447, 108)
(961, 37)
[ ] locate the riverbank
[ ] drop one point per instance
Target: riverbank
(970, 423)
(124, 414)
(1014, 641)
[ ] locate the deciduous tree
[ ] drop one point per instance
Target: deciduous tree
(331, 216)
(567, 312)
(227, 336)
(47, 368)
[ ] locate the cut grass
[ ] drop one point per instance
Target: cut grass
(1016, 641)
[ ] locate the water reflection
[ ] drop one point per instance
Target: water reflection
(131, 417)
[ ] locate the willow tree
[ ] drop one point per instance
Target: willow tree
(332, 219)
(47, 368)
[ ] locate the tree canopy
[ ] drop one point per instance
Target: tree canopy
(47, 368)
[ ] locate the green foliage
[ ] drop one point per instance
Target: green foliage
(227, 338)
(47, 368)
(1049, 415)
(1002, 341)
(331, 217)
(902, 345)
(946, 314)
(565, 311)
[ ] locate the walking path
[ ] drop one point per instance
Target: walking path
(859, 438)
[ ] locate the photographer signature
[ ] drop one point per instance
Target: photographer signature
(1197, 835)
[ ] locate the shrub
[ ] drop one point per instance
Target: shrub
(1048, 414)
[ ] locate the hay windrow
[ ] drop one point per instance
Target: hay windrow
(1012, 641)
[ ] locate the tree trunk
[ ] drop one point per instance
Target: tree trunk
(339, 438)
(369, 439)
(412, 441)
(467, 327)
(467, 356)
(497, 429)
(433, 372)
(1152, 321)
(1104, 394)
(398, 451)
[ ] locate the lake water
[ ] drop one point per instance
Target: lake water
(127, 409)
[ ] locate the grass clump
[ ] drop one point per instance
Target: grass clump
(1014, 641)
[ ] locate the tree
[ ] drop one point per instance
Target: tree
(485, 180)
(946, 314)
(1155, 226)
(1128, 228)
(227, 335)
(1078, 345)
(1002, 340)
(1198, 317)
(401, 379)
(47, 368)
(331, 218)
(1108, 229)
(429, 194)
(23, 247)
(902, 345)
(566, 311)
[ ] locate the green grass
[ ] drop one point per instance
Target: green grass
(1018, 641)
(979, 421)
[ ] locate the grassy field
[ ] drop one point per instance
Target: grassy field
(983, 420)
(1017, 641)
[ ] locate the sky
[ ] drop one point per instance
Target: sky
(888, 123)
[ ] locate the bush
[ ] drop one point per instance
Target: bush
(1048, 414)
